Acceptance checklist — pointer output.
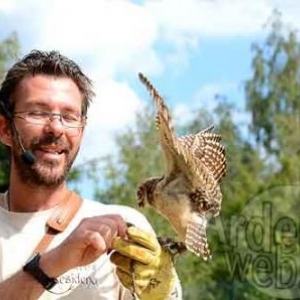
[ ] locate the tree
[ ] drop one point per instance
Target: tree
(258, 165)
(273, 98)
(9, 50)
(139, 156)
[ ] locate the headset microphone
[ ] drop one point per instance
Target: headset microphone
(28, 157)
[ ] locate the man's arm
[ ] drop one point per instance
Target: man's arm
(23, 286)
(92, 238)
(20, 286)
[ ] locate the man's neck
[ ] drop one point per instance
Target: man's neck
(24, 198)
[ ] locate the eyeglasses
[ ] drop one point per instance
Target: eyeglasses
(68, 120)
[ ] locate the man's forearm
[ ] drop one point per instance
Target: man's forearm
(23, 286)
(20, 286)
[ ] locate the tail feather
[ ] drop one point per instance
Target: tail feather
(196, 240)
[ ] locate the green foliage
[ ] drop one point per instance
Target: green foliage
(9, 49)
(261, 186)
(139, 156)
(273, 92)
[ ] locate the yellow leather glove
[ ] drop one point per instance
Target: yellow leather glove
(143, 266)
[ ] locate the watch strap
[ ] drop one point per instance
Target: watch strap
(33, 268)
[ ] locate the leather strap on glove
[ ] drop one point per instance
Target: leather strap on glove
(143, 266)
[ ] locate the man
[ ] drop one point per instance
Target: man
(44, 100)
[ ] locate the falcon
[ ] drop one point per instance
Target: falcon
(188, 194)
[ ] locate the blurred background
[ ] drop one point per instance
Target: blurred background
(234, 64)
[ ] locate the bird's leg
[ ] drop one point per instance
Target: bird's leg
(176, 248)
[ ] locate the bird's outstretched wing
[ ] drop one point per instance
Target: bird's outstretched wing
(183, 155)
(197, 159)
(177, 156)
(167, 136)
(205, 147)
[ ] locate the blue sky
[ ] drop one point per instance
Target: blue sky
(190, 49)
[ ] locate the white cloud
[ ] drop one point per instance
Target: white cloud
(122, 36)
(113, 37)
(204, 98)
(113, 109)
(6, 6)
(182, 112)
(213, 18)
(116, 34)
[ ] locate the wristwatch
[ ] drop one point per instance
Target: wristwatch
(32, 267)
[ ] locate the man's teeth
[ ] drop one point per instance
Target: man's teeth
(53, 151)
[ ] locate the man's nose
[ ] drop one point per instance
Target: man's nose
(54, 125)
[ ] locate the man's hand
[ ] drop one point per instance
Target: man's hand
(92, 238)
(143, 266)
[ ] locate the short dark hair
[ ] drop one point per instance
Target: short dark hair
(51, 63)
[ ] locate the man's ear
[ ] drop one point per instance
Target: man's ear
(5, 131)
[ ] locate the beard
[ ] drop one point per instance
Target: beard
(44, 172)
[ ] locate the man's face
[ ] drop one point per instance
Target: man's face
(54, 146)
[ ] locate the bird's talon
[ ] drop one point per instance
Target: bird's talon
(175, 248)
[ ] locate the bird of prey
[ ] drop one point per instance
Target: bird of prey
(188, 193)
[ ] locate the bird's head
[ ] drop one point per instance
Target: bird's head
(145, 191)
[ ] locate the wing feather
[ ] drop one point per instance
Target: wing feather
(206, 147)
(196, 239)
(167, 136)
(197, 163)
(185, 155)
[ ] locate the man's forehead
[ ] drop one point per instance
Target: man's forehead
(44, 87)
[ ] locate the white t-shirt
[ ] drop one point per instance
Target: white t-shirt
(21, 232)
